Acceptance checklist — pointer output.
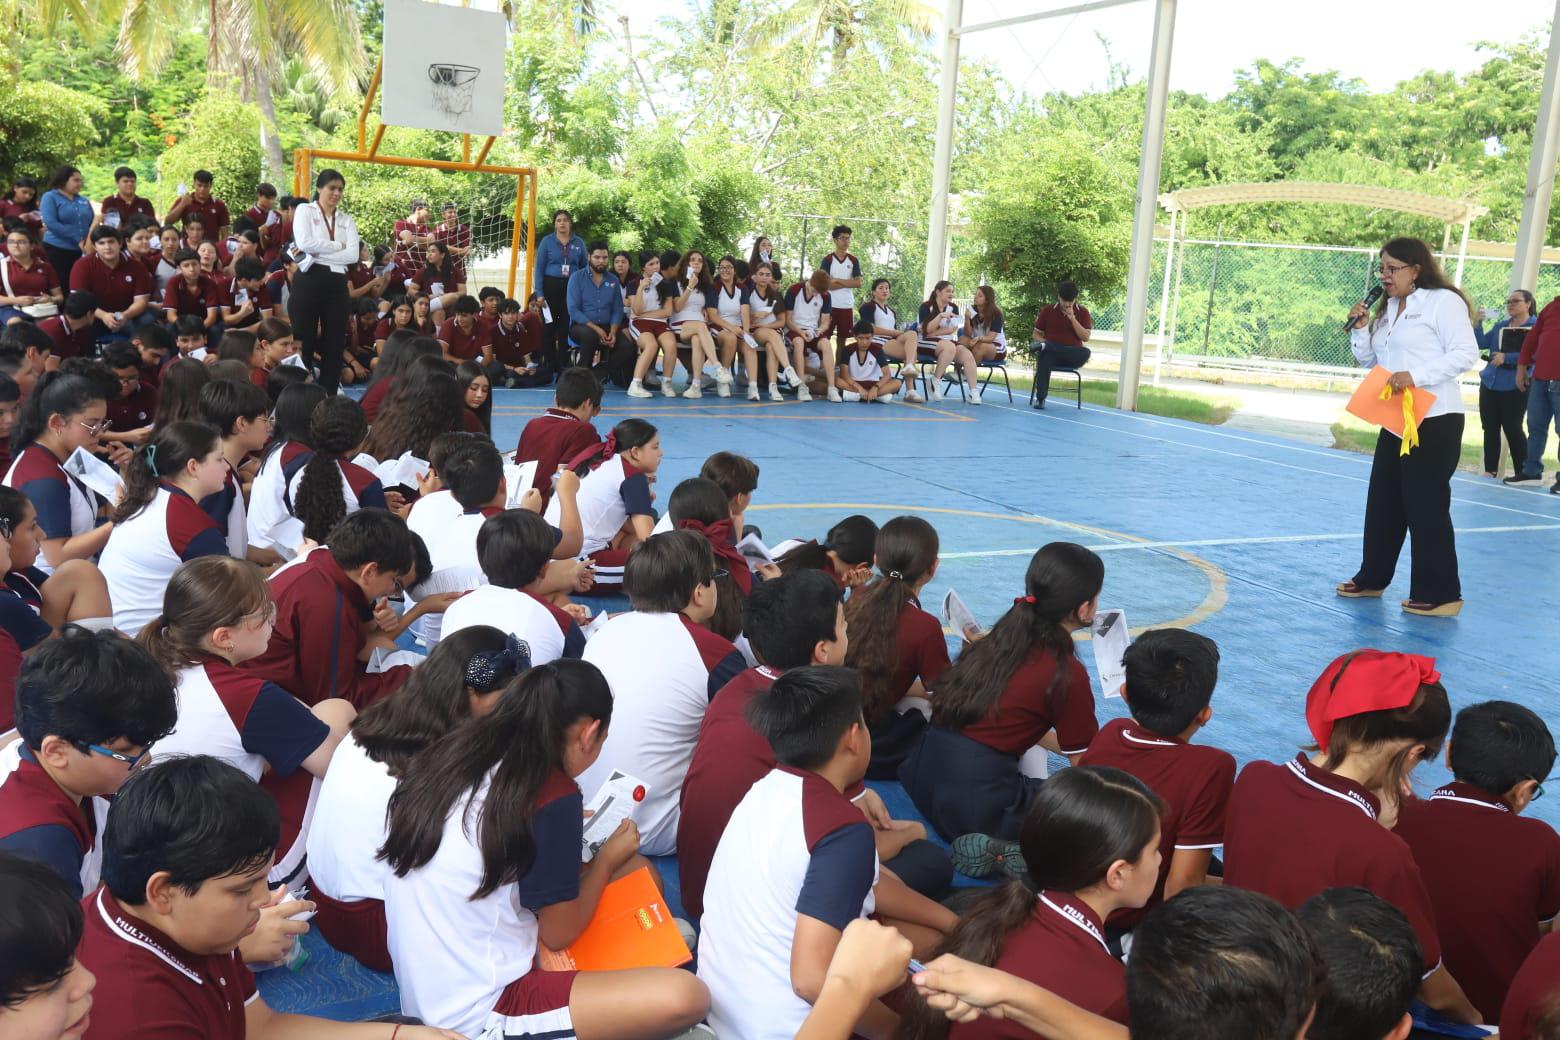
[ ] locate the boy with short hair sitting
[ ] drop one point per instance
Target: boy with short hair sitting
(1493, 875)
(1373, 965)
(185, 857)
(564, 430)
(241, 412)
(45, 993)
(1171, 674)
(89, 705)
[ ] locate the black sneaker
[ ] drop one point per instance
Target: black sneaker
(980, 855)
(1040, 403)
(1555, 490)
(1523, 478)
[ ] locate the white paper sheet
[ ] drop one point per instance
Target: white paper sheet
(95, 473)
(518, 478)
(754, 550)
(959, 617)
(619, 796)
(1111, 640)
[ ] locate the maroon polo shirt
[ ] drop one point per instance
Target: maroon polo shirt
(458, 236)
(260, 297)
(148, 986)
(115, 287)
(27, 211)
(920, 648)
(213, 213)
(553, 438)
(1023, 713)
(1193, 780)
(510, 346)
(40, 821)
(1534, 991)
(135, 411)
(1293, 830)
(181, 299)
(452, 278)
(374, 397)
(1493, 877)
(1060, 947)
(116, 203)
(66, 342)
(1054, 327)
(463, 345)
(38, 280)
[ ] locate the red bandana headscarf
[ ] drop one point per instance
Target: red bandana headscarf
(722, 541)
(1365, 680)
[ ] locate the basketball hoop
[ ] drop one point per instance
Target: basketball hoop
(452, 87)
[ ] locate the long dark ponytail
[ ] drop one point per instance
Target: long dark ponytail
(55, 393)
(163, 457)
(1062, 576)
(336, 429)
(906, 550)
(294, 409)
(1082, 820)
(625, 436)
(520, 743)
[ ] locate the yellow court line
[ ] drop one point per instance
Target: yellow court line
(1218, 581)
(690, 413)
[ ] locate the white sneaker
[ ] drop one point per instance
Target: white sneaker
(887, 398)
(693, 391)
(637, 389)
(723, 377)
(849, 395)
(803, 394)
(723, 389)
(973, 397)
(834, 395)
(937, 394)
(666, 388)
(911, 397)
(752, 391)
(790, 376)
(774, 392)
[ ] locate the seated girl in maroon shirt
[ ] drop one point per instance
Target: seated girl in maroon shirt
(896, 647)
(1005, 694)
(1091, 843)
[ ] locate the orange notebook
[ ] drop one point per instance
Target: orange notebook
(632, 928)
(1368, 405)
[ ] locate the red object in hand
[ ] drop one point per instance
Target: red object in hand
(639, 793)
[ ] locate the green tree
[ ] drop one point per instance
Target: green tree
(224, 138)
(43, 125)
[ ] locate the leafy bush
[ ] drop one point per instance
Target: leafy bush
(43, 125)
(224, 138)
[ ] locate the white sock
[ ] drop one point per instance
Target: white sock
(95, 624)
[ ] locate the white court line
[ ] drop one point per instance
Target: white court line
(1249, 457)
(1195, 543)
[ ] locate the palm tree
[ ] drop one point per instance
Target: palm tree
(844, 24)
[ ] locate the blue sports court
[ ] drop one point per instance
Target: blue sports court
(1237, 535)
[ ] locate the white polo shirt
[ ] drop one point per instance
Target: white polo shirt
(806, 313)
(729, 305)
(761, 311)
(519, 613)
(608, 495)
(693, 310)
(663, 670)
(834, 267)
(450, 533)
(864, 370)
(1432, 341)
(349, 826)
(143, 552)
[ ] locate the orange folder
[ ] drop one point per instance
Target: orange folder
(1368, 405)
(632, 928)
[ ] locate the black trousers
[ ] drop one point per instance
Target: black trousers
(555, 336)
(1051, 356)
(1502, 411)
(62, 260)
(615, 360)
(319, 307)
(1411, 495)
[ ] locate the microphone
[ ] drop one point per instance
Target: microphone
(1370, 298)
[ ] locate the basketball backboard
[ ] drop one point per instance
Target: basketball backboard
(443, 67)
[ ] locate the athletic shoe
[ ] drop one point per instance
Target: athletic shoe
(666, 388)
(723, 375)
(803, 394)
(791, 378)
(637, 389)
(911, 396)
(887, 398)
(848, 395)
(973, 397)
(694, 391)
(752, 394)
(981, 856)
(1556, 489)
(937, 394)
(774, 392)
(1524, 478)
(723, 389)
(834, 394)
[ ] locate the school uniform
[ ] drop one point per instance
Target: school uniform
(458, 236)
(346, 875)
(117, 287)
(133, 412)
(463, 345)
(234, 296)
(1493, 878)
(762, 312)
(213, 213)
(40, 279)
(975, 329)
(967, 781)
(450, 533)
(512, 345)
(729, 304)
(663, 669)
(865, 371)
(842, 302)
(610, 494)
(269, 522)
(117, 210)
(360, 487)
(249, 722)
(1193, 780)
(150, 986)
(374, 397)
(143, 552)
(68, 342)
(469, 964)
(881, 317)
(806, 311)
(409, 256)
(551, 439)
(922, 653)
(649, 300)
(40, 821)
(692, 310)
(1532, 993)
(182, 298)
(794, 846)
(436, 282)
(543, 626)
(19, 613)
(1293, 830)
(10, 667)
(226, 508)
(318, 634)
(66, 507)
(1060, 947)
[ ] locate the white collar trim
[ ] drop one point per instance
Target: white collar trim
(1353, 799)
(129, 933)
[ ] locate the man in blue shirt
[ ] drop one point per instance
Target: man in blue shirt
(595, 301)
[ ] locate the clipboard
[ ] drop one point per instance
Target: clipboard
(1368, 405)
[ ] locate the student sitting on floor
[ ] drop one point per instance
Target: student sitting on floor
(614, 497)
(896, 646)
(323, 484)
(216, 615)
(62, 413)
(320, 644)
(861, 374)
(448, 522)
(1321, 820)
(514, 549)
(664, 667)
(274, 533)
(796, 864)
(737, 477)
(845, 554)
(700, 506)
(1004, 695)
(484, 848)
(460, 680)
(1532, 1010)
(75, 591)
(185, 857)
(1170, 678)
(242, 415)
(1091, 843)
(88, 706)
(1470, 835)
(45, 992)
(564, 430)
(795, 620)
(158, 523)
(1373, 966)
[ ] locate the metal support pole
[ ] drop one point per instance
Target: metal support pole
(1462, 252)
(1140, 263)
(1541, 171)
(1164, 295)
(942, 150)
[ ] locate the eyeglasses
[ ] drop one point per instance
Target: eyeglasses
(400, 589)
(129, 380)
(1538, 789)
(719, 574)
(134, 762)
(264, 616)
(94, 428)
(5, 528)
(1390, 269)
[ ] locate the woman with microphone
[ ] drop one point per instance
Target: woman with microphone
(326, 239)
(1423, 333)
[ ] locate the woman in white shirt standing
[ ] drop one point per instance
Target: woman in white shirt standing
(321, 299)
(1423, 333)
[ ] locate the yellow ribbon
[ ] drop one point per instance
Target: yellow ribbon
(1410, 428)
